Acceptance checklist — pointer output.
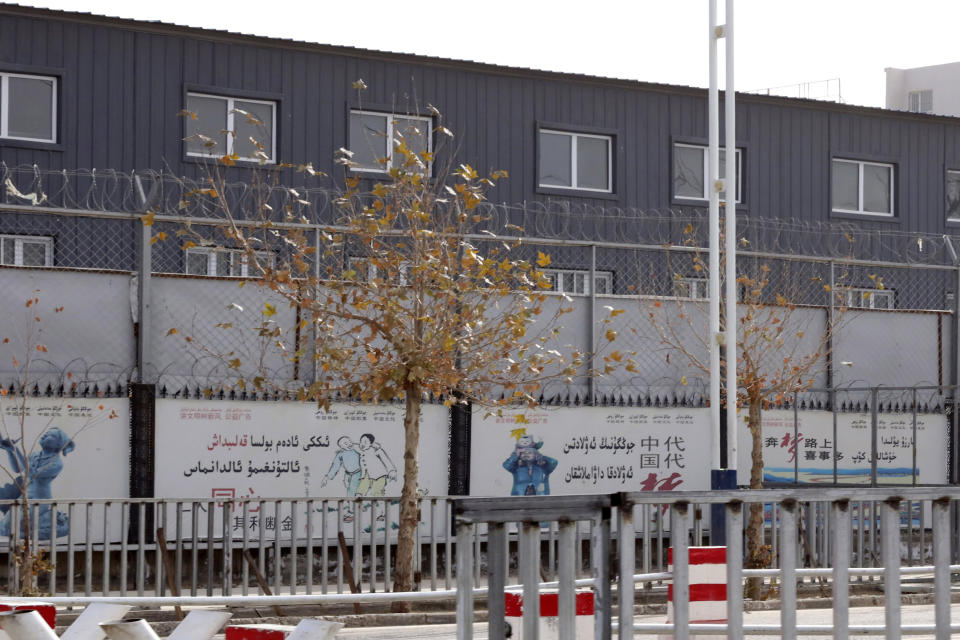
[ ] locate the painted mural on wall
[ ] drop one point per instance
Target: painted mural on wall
(577, 450)
(811, 451)
(232, 450)
(76, 449)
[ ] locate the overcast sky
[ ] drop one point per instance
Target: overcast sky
(777, 42)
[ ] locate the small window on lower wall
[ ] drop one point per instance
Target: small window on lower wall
(692, 288)
(576, 161)
(866, 298)
(26, 251)
(953, 195)
(224, 262)
(577, 281)
(862, 187)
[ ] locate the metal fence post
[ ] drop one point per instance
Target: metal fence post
(600, 559)
(941, 563)
(890, 541)
(842, 534)
(788, 566)
(529, 559)
(734, 524)
(496, 579)
(592, 327)
(681, 570)
(464, 581)
(567, 595)
(874, 420)
(144, 303)
(627, 549)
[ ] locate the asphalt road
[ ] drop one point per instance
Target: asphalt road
(911, 614)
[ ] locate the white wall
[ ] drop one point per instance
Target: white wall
(943, 79)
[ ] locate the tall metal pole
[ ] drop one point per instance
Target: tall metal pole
(730, 252)
(714, 242)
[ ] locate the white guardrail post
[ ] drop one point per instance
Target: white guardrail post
(200, 625)
(132, 629)
(87, 625)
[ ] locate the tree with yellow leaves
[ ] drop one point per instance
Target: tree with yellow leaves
(406, 294)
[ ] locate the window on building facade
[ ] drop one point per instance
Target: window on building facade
(220, 125)
(26, 251)
(209, 261)
(371, 130)
(920, 101)
(953, 195)
(690, 172)
(576, 161)
(862, 187)
(865, 298)
(28, 107)
(577, 281)
(689, 287)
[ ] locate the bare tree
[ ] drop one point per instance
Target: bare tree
(778, 352)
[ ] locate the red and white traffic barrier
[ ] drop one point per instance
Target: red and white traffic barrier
(550, 614)
(708, 587)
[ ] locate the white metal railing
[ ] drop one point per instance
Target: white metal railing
(530, 514)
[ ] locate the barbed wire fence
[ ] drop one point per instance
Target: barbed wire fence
(77, 237)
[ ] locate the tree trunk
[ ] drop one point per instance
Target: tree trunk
(28, 578)
(409, 506)
(757, 556)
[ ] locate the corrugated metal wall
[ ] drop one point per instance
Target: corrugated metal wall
(122, 89)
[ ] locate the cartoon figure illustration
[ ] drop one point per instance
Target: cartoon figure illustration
(42, 468)
(348, 458)
(376, 467)
(531, 469)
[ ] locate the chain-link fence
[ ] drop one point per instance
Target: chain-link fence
(879, 305)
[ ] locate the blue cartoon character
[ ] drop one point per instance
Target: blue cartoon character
(531, 469)
(42, 468)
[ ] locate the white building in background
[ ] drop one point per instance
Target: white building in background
(933, 89)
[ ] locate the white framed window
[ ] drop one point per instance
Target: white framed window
(953, 194)
(370, 132)
(26, 251)
(210, 261)
(866, 298)
(690, 287)
(577, 281)
(578, 161)
(28, 107)
(690, 172)
(363, 270)
(227, 125)
(920, 101)
(862, 187)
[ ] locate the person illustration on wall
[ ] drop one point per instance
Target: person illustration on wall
(531, 469)
(38, 472)
(377, 467)
(348, 459)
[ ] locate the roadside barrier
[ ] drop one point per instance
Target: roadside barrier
(549, 614)
(707, 568)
